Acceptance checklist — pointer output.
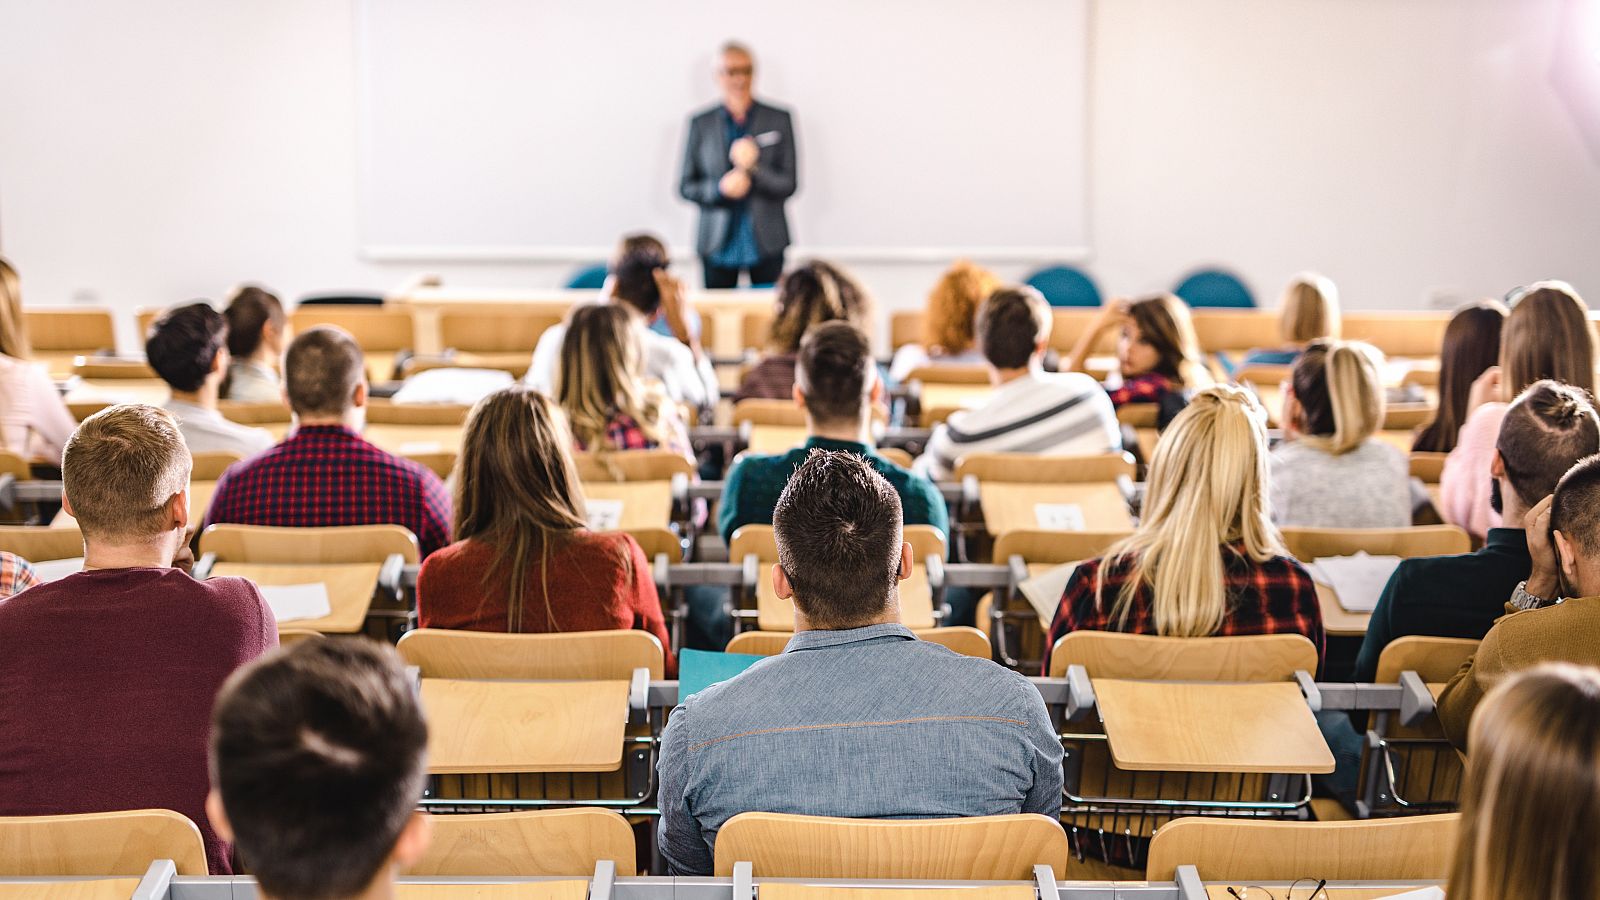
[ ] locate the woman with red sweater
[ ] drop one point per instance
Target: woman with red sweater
(523, 559)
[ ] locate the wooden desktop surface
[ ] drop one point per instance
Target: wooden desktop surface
(493, 727)
(1155, 726)
(526, 890)
(96, 889)
(152, 391)
(1010, 507)
(350, 587)
(645, 504)
(779, 890)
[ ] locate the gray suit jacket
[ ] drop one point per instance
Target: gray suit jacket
(705, 161)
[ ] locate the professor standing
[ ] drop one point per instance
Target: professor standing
(739, 168)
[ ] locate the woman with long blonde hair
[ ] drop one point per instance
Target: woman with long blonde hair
(34, 421)
(523, 558)
(1205, 559)
(1158, 354)
(1530, 807)
(600, 388)
(949, 322)
(1331, 472)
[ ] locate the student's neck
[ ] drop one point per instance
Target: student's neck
(998, 377)
(347, 420)
(264, 357)
(205, 398)
(381, 888)
(1514, 514)
(855, 433)
(891, 616)
(155, 553)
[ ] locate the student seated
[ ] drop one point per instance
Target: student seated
(256, 328)
(325, 473)
(601, 388)
(107, 676)
(837, 387)
(1205, 559)
(642, 288)
(1158, 356)
(34, 420)
(1471, 346)
(1555, 615)
(808, 295)
(1544, 433)
(524, 559)
(1330, 472)
(949, 322)
(1031, 410)
(1546, 335)
(318, 759)
(841, 723)
(1309, 310)
(1530, 805)
(187, 347)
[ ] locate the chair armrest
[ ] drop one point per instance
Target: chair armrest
(1080, 691)
(1308, 687)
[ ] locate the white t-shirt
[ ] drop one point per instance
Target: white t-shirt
(666, 360)
(206, 431)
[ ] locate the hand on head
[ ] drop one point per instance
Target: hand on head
(1544, 576)
(1486, 388)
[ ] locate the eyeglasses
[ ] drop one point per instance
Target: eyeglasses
(736, 71)
(1243, 893)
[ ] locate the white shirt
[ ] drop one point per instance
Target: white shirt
(666, 360)
(250, 382)
(206, 431)
(1064, 413)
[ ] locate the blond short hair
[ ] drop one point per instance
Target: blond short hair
(121, 468)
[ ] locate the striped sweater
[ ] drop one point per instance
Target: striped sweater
(1041, 412)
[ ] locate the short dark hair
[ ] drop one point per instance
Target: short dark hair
(838, 530)
(1575, 509)
(1548, 428)
(834, 371)
(183, 344)
(321, 370)
(248, 311)
(318, 751)
(1011, 323)
(634, 281)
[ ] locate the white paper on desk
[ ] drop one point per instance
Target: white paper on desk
(604, 514)
(56, 569)
(465, 386)
(1044, 591)
(1427, 893)
(1059, 516)
(297, 601)
(1356, 580)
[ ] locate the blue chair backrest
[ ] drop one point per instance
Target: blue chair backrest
(1213, 289)
(1065, 286)
(589, 278)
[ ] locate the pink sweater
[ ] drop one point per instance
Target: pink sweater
(1465, 483)
(33, 420)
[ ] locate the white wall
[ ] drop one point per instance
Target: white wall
(158, 151)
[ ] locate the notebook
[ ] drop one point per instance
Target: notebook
(700, 669)
(297, 601)
(1357, 580)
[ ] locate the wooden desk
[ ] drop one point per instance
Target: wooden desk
(350, 587)
(1336, 620)
(776, 614)
(153, 391)
(527, 890)
(779, 890)
(1010, 507)
(398, 439)
(96, 889)
(645, 504)
(493, 727)
(954, 395)
(1171, 726)
(771, 439)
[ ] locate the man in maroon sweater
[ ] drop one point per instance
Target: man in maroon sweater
(107, 677)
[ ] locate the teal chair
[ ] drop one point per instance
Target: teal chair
(1214, 289)
(588, 278)
(1065, 286)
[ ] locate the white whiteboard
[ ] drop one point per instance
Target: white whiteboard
(544, 129)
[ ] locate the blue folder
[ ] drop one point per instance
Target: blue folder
(700, 669)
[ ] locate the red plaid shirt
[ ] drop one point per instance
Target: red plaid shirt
(16, 575)
(1273, 597)
(1146, 388)
(324, 475)
(624, 432)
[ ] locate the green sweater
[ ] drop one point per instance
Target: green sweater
(755, 482)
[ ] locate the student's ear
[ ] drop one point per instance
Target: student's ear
(875, 396)
(178, 508)
(780, 582)
(219, 363)
(799, 397)
(1564, 554)
(413, 841)
(907, 560)
(1497, 465)
(218, 817)
(1041, 346)
(359, 398)
(66, 506)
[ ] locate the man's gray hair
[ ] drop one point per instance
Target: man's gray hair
(732, 46)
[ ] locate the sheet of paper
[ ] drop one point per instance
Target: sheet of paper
(1044, 591)
(1427, 893)
(452, 386)
(700, 669)
(1059, 516)
(604, 515)
(1357, 580)
(56, 569)
(297, 601)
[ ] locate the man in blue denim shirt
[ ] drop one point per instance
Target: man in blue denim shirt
(856, 717)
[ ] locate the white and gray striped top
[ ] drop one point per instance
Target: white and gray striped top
(1041, 412)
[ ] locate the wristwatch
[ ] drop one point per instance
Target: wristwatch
(1521, 599)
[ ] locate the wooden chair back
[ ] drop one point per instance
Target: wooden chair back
(1236, 330)
(754, 329)
(1423, 540)
(761, 411)
(388, 412)
(1069, 325)
(329, 546)
(905, 327)
(986, 848)
(112, 367)
(1054, 547)
(1138, 415)
(40, 544)
(1407, 416)
(659, 464)
(521, 844)
(288, 636)
(1427, 466)
(440, 462)
(1143, 657)
(1036, 468)
(112, 843)
(572, 656)
(1403, 849)
(500, 328)
(949, 373)
(144, 317)
(85, 331)
(759, 541)
(1410, 334)
(897, 456)
(655, 541)
(15, 465)
(210, 464)
(962, 639)
(381, 329)
(1436, 659)
(255, 413)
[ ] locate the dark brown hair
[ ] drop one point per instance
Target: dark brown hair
(1339, 390)
(837, 525)
(811, 293)
(318, 752)
(834, 372)
(1471, 345)
(1546, 430)
(184, 343)
(1547, 335)
(248, 311)
(1011, 323)
(1163, 322)
(321, 370)
(1575, 511)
